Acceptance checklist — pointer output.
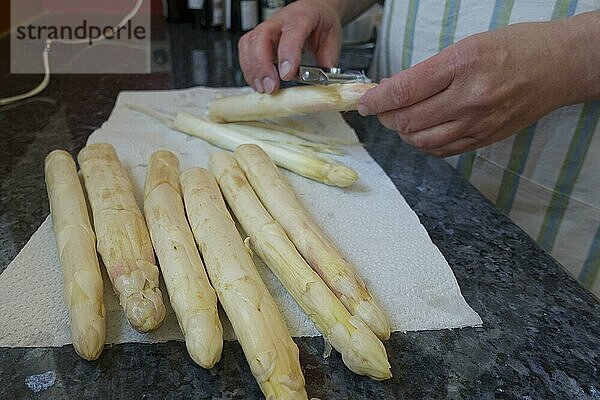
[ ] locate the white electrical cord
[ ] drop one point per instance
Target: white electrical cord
(39, 88)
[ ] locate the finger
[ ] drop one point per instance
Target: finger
(436, 136)
(425, 114)
(257, 57)
(408, 87)
(293, 38)
(461, 145)
(328, 49)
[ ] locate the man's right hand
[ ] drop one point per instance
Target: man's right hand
(273, 49)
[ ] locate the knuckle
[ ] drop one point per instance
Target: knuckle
(242, 44)
(400, 92)
(252, 37)
(290, 49)
(418, 143)
(401, 123)
(421, 142)
(301, 17)
(461, 58)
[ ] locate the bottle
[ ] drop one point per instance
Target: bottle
(176, 10)
(217, 14)
(244, 15)
(270, 7)
(200, 13)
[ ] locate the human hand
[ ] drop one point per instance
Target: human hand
(479, 90)
(280, 40)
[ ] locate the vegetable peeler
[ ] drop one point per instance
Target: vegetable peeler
(326, 76)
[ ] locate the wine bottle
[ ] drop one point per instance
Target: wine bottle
(244, 15)
(248, 14)
(200, 13)
(217, 14)
(270, 7)
(177, 11)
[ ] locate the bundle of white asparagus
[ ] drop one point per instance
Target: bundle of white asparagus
(76, 244)
(192, 297)
(123, 239)
(339, 274)
(361, 350)
(286, 102)
(258, 324)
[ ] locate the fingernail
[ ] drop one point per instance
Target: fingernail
(258, 86)
(268, 84)
(284, 69)
(363, 110)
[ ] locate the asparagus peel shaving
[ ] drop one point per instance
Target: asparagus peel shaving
(192, 297)
(123, 240)
(310, 240)
(76, 244)
(361, 350)
(272, 133)
(271, 353)
(286, 102)
(279, 126)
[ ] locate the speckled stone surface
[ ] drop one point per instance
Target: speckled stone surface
(541, 333)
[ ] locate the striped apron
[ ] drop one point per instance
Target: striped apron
(546, 178)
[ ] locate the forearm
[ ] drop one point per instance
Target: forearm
(581, 56)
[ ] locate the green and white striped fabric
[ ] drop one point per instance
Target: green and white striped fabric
(546, 177)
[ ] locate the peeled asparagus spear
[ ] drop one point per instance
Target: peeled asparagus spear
(258, 324)
(281, 202)
(302, 163)
(192, 297)
(76, 244)
(291, 101)
(361, 350)
(123, 239)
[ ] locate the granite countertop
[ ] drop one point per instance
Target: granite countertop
(541, 333)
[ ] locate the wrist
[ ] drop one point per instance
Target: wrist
(580, 52)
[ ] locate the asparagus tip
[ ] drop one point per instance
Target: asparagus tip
(340, 175)
(375, 318)
(204, 338)
(90, 342)
(145, 309)
(370, 359)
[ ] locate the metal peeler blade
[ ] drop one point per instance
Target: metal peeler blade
(325, 76)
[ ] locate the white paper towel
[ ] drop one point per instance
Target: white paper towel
(370, 222)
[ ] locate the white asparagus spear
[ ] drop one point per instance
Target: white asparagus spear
(76, 244)
(192, 297)
(310, 240)
(123, 239)
(256, 320)
(291, 101)
(361, 350)
(309, 166)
